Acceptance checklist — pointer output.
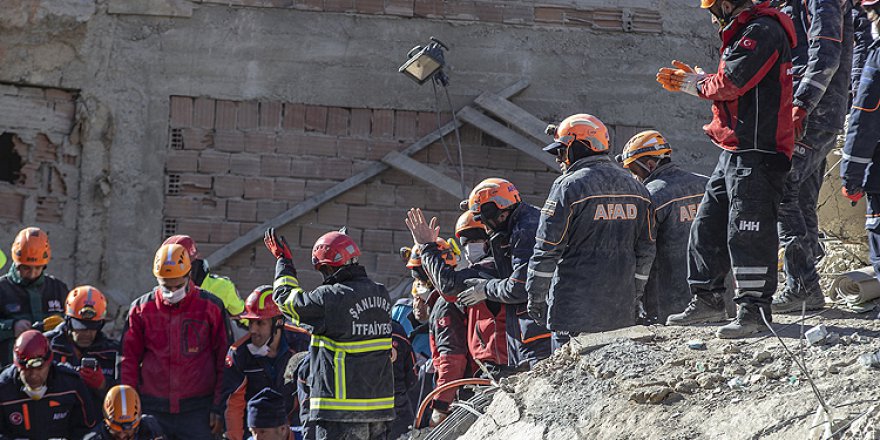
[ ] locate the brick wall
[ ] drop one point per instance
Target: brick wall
(233, 165)
(527, 13)
(36, 123)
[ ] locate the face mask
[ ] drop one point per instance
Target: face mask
(259, 351)
(35, 394)
(174, 297)
(474, 252)
(423, 291)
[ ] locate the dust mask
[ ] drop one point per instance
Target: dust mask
(174, 296)
(423, 291)
(262, 351)
(35, 393)
(474, 252)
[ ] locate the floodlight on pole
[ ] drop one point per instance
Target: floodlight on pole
(425, 63)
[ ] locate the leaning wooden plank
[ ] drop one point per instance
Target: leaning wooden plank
(423, 172)
(250, 237)
(506, 135)
(514, 115)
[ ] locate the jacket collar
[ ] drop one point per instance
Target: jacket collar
(662, 170)
(190, 294)
(759, 10)
(587, 161)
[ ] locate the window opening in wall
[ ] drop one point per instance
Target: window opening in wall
(10, 161)
(176, 139)
(170, 227)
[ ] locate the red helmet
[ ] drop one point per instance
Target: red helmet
(260, 305)
(31, 350)
(187, 242)
(334, 249)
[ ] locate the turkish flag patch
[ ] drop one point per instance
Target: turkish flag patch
(748, 43)
(443, 322)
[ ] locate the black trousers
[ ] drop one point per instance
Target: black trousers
(325, 430)
(735, 229)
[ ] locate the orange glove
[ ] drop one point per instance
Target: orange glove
(798, 117)
(683, 78)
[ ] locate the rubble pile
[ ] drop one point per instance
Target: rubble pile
(681, 383)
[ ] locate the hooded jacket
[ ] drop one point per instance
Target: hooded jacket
(34, 302)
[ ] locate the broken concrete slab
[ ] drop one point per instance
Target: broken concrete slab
(586, 343)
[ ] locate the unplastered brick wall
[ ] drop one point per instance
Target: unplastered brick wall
(39, 169)
(603, 18)
(233, 165)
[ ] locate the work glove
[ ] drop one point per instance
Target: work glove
(853, 194)
(476, 292)
(641, 314)
(277, 245)
(437, 417)
(538, 311)
(93, 378)
(798, 118)
(683, 78)
(215, 421)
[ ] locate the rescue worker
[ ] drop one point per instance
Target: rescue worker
(404, 361)
(266, 416)
(860, 151)
(822, 61)
(80, 337)
(222, 287)
(173, 350)
(447, 328)
(485, 320)
(40, 399)
(675, 194)
(862, 40)
(512, 225)
(351, 379)
(124, 418)
(256, 361)
(735, 227)
(28, 295)
(595, 217)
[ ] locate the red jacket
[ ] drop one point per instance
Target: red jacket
(174, 354)
(487, 332)
(752, 90)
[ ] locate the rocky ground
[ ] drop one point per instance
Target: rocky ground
(681, 383)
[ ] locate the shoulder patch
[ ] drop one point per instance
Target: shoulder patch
(549, 208)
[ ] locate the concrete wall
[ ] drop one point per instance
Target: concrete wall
(124, 60)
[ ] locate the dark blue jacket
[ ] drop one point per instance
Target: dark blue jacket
(512, 249)
(404, 380)
(822, 60)
(676, 195)
(34, 302)
(149, 429)
(104, 350)
(65, 411)
(860, 153)
(862, 39)
(351, 377)
(246, 375)
(594, 249)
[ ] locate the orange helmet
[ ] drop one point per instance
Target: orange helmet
(468, 228)
(648, 143)
(582, 127)
(122, 409)
(86, 303)
(706, 4)
(260, 304)
(497, 191)
(172, 261)
(414, 255)
(31, 247)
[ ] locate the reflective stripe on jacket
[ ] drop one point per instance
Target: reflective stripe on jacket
(351, 377)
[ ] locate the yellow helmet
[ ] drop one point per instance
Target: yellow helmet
(122, 409)
(647, 143)
(172, 261)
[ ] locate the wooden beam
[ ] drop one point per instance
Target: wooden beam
(515, 116)
(424, 173)
(506, 135)
(250, 237)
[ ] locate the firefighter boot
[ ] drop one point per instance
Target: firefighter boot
(701, 310)
(748, 322)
